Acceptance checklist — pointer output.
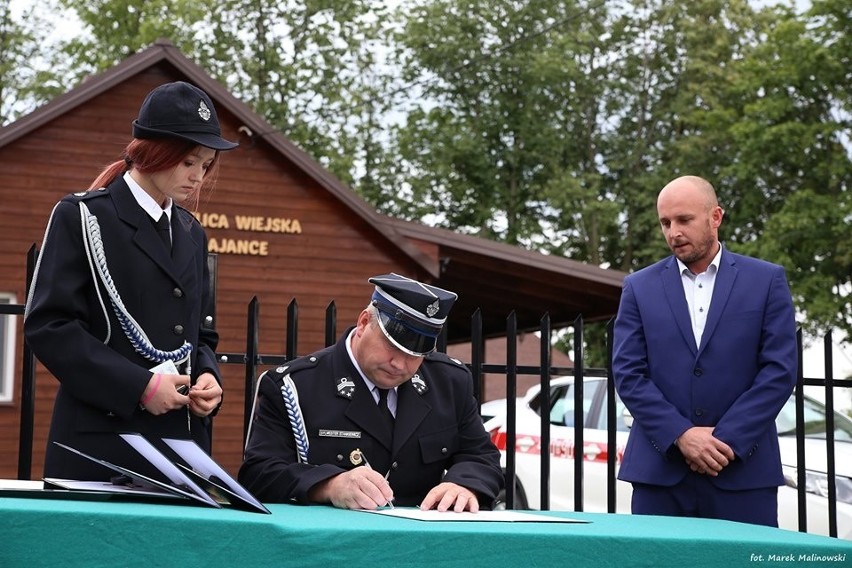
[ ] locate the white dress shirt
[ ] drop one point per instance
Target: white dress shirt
(698, 289)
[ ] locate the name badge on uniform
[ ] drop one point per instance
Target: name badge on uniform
(326, 433)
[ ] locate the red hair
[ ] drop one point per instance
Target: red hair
(150, 155)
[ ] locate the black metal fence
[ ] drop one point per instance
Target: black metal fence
(252, 360)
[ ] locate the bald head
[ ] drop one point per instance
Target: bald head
(690, 217)
(694, 188)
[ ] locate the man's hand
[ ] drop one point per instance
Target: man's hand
(205, 395)
(446, 496)
(703, 452)
(359, 488)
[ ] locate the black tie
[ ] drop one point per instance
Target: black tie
(387, 416)
(164, 232)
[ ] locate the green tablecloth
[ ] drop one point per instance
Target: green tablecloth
(101, 533)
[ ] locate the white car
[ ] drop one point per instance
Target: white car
(595, 451)
(492, 408)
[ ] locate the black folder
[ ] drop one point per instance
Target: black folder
(210, 475)
(194, 476)
(138, 484)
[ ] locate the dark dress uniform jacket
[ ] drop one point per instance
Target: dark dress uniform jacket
(101, 376)
(437, 428)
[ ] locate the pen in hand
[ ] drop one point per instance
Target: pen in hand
(367, 463)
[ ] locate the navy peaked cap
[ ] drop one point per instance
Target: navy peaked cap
(411, 313)
(180, 110)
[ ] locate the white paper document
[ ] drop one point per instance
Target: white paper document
(467, 516)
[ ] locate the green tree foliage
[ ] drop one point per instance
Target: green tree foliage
(672, 114)
(116, 29)
(511, 91)
(23, 83)
(793, 164)
(312, 68)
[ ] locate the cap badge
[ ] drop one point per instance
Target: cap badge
(203, 111)
(345, 387)
(419, 384)
(356, 457)
(433, 308)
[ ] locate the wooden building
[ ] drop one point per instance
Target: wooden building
(282, 226)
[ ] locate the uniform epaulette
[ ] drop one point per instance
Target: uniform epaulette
(444, 358)
(278, 373)
(86, 195)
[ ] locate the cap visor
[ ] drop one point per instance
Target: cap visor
(405, 339)
(206, 139)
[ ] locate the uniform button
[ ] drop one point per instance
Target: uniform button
(699, 412)
(177, 293)
(394, 465)
(444, 451)
(339, 457)
(178, 329)
(312, 359)
(698, 372)
(208, 321)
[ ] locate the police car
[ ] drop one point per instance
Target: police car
(595, 451)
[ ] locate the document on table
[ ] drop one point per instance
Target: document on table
(466, 516)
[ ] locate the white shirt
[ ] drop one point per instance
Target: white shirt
(147, 202)
(374, 390)
(698, 289)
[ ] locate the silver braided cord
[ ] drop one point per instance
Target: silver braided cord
(132, 330)
(38, 264)
(297, 421)
(86, 246)
(253, 409)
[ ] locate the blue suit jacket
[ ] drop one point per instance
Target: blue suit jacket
(737, 380)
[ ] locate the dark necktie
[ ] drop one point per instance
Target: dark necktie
(164, 232)
(387, 416)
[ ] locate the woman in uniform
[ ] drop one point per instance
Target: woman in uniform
(118, 309)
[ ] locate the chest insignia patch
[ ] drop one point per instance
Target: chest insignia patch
(419, 384)
(345, 387)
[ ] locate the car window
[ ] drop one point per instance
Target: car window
(562, 403)
(814, 425)
(620, 425)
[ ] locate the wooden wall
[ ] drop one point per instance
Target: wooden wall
(330, 259)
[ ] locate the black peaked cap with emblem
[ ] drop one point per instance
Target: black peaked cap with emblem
(180, 110)
(411, 313)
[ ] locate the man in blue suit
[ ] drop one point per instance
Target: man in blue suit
(704, 358)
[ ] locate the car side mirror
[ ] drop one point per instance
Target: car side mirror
(627, 417)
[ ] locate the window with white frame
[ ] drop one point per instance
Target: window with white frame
(7, 349)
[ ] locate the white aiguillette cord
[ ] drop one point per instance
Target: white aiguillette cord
(297, 421)
(135, 334)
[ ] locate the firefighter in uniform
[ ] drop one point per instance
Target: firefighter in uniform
(119, 313)
(378, 418)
